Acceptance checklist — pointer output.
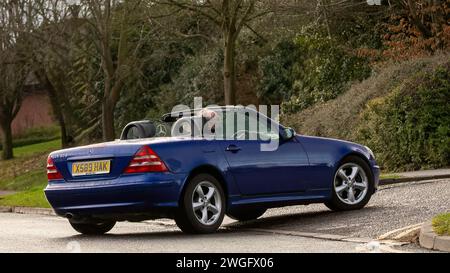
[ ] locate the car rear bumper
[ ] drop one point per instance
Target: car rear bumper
(151, 194)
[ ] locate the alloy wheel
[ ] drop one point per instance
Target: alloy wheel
(206, 203)
(351, 183)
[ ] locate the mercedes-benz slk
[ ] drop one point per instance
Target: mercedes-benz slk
(153, 172)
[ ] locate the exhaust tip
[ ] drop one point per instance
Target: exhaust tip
(69, 215)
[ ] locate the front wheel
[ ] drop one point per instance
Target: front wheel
(353, 185)
(93, 228)
(202, 206)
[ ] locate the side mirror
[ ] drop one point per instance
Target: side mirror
(138, 129)
(287, 133)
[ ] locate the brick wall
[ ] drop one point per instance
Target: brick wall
(35, 112)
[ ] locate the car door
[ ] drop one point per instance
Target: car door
(260, 172)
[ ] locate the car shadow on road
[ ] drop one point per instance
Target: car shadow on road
(306, 221)
(151, 235)
(349, 223)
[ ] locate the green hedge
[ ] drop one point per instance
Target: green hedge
(410, 127)
(36, 135)
(308, 70)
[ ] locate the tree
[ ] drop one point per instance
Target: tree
(14, 68)
(49, 47)
(119, 51)
(49, 30)
(230, 16)
(417, 28)
(13, 74)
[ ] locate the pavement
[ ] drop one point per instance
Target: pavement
(3, 193)
(415, 176)
(430, 240)
(425, 173)
(310, 228)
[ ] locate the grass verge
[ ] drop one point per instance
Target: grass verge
(25, 181)
(36, 135)
(441, 224)
(29, 159)
(390, 176)
(29, 150)
(31, 198)
(26, 174)
(30, 186)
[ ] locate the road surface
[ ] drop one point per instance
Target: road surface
(279, 230)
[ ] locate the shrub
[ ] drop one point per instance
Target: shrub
(310, 69)
(410, 128)
(333, 120)
(200, 75)
(276, 71)
(324, 71)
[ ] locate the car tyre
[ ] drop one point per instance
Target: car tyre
(340, 200)
(93, 228)
(246, 214)
(202, 206)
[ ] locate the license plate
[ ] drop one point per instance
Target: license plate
(91, 167)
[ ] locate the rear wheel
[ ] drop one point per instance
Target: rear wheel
(352, 185)
(202, 207)
(93, 228)
(246, 214)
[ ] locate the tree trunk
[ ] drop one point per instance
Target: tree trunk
(108, 120)
(229, 71)
(57, 107)
(57, 111)
(66, 113)
(7, 144)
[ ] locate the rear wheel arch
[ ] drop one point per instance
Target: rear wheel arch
(207, 169)
(200, 212)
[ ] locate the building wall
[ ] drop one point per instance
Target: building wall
(35, 112)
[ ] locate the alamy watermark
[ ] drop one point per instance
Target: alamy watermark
(243, 123)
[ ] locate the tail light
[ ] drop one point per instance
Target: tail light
(52, 172)
(146, 160)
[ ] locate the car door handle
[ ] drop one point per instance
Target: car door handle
(233, 148)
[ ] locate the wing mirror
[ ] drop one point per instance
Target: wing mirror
(287, 133)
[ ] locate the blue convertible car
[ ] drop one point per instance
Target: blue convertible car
(173, 168)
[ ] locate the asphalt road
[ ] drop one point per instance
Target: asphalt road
(34, 233)
(392, 207)
(277, 231)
